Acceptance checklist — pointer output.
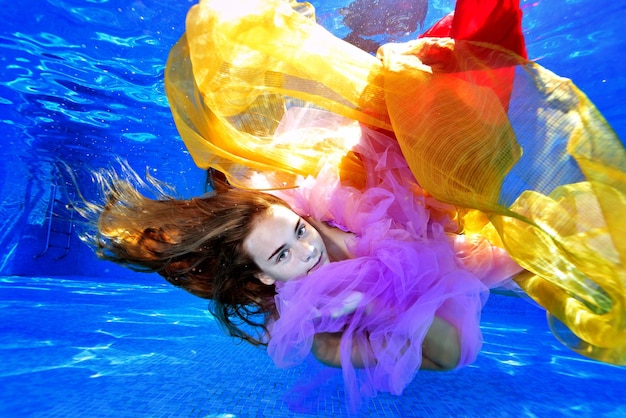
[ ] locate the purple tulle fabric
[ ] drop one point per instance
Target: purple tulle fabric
(407, 268)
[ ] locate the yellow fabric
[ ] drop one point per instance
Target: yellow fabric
(544, 176)
(246, 72)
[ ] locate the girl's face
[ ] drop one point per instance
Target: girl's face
(285, 246)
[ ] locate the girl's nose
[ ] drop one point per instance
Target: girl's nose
(307, 251)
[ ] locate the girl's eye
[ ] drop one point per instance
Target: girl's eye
(301, 230)
(281, 256)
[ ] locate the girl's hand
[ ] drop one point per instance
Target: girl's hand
(349, 305)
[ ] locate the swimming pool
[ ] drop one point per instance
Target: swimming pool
(77, 346)
(81, 82)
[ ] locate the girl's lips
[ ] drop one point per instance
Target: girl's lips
(317, 264)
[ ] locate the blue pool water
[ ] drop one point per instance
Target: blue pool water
(81, 82)
(76, 346)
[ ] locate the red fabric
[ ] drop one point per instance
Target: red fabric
(494, 21)
(441, 29)
(497, 22)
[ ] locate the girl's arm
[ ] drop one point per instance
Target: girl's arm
(326, 350)
(440, 350)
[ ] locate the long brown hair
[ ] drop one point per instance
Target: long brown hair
(195, 244)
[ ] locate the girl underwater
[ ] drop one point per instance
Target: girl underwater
(446, 157)
(390, 288)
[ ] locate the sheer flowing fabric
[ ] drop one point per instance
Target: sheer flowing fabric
(408, 265)
(520, 151)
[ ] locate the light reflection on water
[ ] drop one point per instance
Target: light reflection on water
(86, 329)
(77, 323)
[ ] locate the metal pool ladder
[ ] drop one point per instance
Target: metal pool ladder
(60, 219)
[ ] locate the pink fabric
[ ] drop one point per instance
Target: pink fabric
(406, 269)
